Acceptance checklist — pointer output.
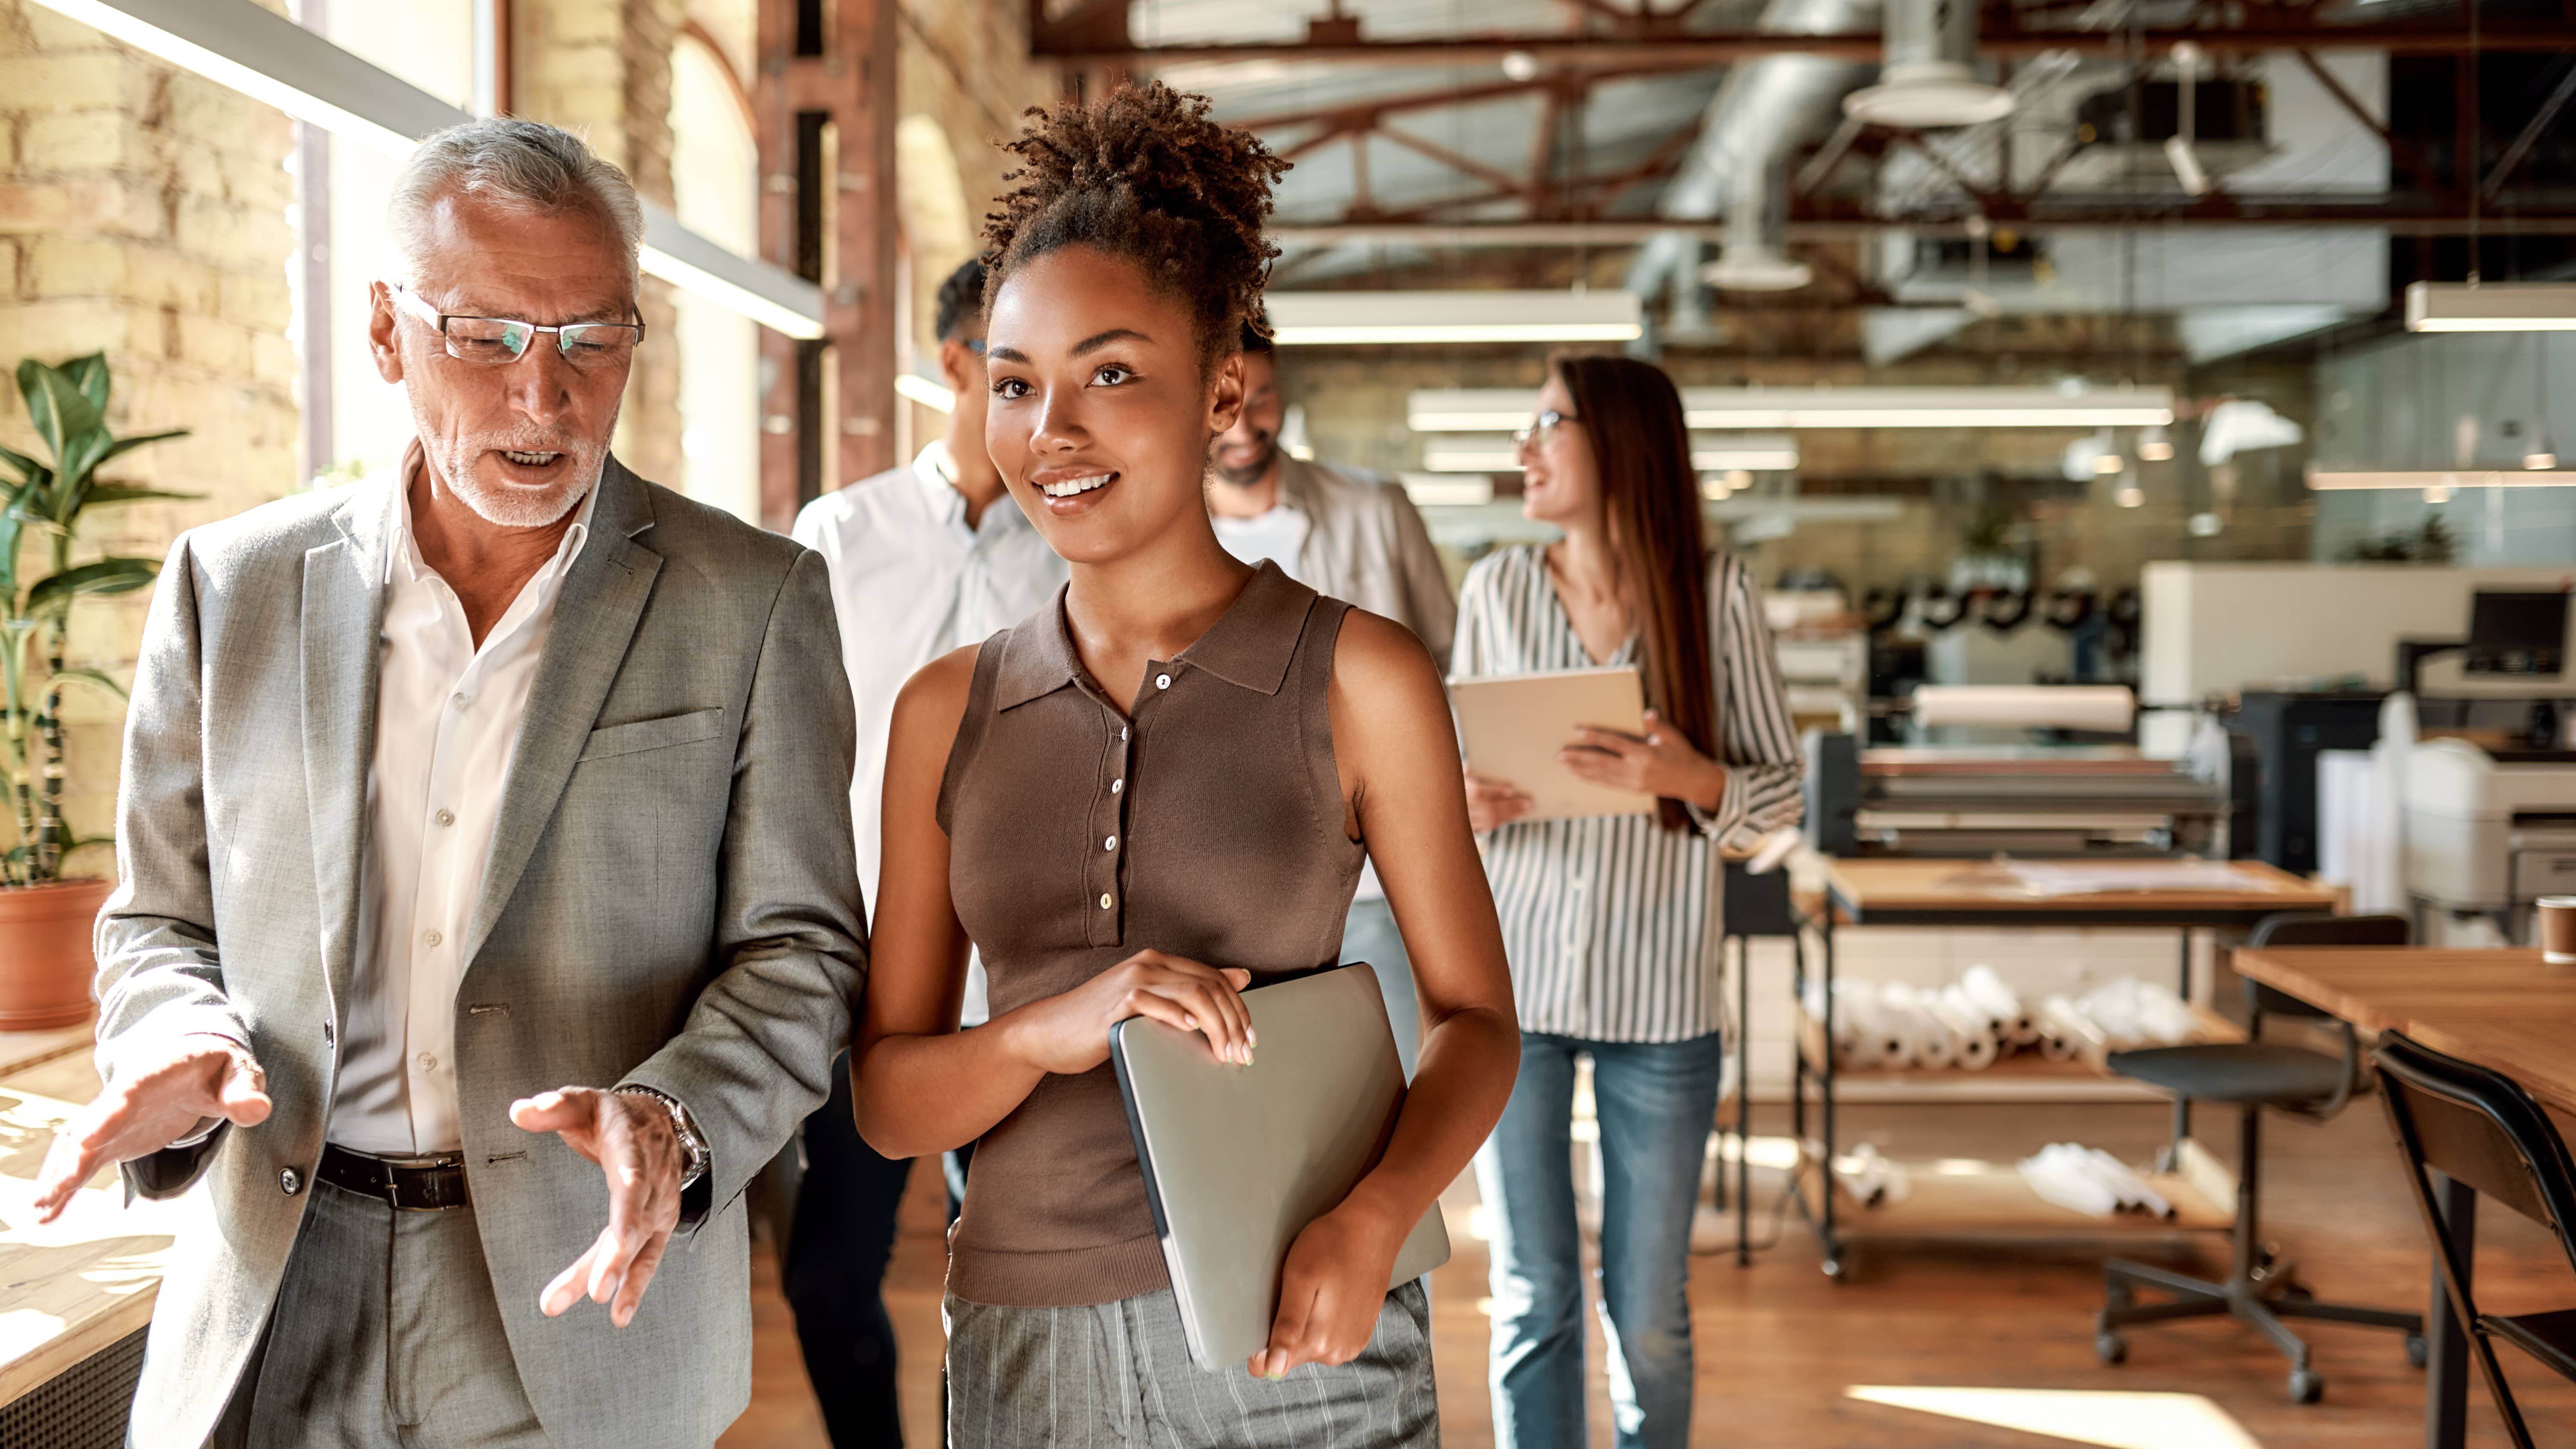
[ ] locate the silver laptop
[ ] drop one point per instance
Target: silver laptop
(1239, 1159)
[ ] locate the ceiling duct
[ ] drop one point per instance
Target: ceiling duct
(1757, 229)
(1929, 79)
(1762, 110)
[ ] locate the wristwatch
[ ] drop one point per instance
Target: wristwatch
(693, 1148)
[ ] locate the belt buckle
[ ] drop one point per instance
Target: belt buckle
(396, 1166)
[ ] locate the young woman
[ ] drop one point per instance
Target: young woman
(1147, 797)
(1610, 922)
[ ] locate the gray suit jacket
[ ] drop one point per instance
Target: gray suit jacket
(1366, 545)
(670, 901)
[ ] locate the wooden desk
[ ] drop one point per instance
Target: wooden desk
(1954, 1198)
(1899, 892)
(89, 1280)
(2508, 1010)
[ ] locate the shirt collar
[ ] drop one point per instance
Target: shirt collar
(1250, 645)
(930, 469)
(403, 561)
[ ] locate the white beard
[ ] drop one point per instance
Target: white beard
(507, 505)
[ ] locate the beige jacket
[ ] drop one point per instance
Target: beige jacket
(1366, 544)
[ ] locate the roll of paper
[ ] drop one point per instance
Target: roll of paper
(2002, 1005)
(1975, 1037)
(2109, 708)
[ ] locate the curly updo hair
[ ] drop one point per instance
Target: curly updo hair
(1144, 174)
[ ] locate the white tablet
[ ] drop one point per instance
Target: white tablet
(1512, 725)
(1238, 1160)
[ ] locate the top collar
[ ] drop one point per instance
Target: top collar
(1250, 645)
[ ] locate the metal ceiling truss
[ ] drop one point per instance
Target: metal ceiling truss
(1094, 33)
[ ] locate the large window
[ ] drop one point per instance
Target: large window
(715, 181)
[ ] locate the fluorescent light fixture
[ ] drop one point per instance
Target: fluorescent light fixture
(1318, 319)
(2326, 480)
(937, 397)
(2490, 307)
(1773, 409)
(1448, 456)
(1749, 453)
(1495, 453)
(271, 59)
(1430, 490)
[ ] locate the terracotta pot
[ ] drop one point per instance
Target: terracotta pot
(45, 960)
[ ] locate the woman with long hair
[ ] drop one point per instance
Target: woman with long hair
(1610, 922)
(1142, 800)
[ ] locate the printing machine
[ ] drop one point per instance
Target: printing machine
(1975, 800)
(2488, 828)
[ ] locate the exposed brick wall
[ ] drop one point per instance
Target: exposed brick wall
(602, 68)
(143, 212)
(964, 63)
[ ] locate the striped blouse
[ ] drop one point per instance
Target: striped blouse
(1608, 920)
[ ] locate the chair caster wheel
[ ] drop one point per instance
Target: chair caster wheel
(1836, 1269)
(2415, 1353)
(2110, 1347)
(2306, 1386)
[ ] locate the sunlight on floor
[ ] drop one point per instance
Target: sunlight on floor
(2112, 1419)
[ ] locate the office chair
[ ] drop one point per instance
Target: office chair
(2260, 1287)
(2482, 1130)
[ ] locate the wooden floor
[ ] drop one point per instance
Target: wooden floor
(1780, 1347)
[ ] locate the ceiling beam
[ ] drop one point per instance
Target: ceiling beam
(1707, 48)
(2108, 214)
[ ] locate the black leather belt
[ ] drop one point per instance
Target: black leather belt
(433, 1184)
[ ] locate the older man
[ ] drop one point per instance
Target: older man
(483, 839)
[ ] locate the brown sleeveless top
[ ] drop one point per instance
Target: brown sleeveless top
(1208, 826)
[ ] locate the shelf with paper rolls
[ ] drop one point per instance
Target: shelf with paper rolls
(1966, 1197)
(2023, 1076)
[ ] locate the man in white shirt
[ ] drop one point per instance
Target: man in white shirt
(1349, 536)
(441, 791)
(924, 559)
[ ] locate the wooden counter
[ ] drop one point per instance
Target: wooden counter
(73, 1288)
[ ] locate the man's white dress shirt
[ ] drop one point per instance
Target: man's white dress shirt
(447, 718)
(1277, 534)
(910, 582)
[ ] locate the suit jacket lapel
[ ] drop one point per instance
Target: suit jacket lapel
(344, 596)
(595, 617)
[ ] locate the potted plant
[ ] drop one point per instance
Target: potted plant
(45, 915)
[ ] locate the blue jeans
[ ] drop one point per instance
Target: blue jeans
(1656, 1103)
(1370, 935)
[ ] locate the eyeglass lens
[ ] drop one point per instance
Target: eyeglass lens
(499, 340)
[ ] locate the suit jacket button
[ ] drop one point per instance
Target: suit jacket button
(290, 1181)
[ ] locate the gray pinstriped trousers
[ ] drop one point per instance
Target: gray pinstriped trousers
(1119, 1374)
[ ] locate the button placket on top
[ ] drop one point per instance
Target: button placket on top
(1104, 883)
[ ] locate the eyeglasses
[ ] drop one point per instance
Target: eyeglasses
(495, 341)
(1543, 429)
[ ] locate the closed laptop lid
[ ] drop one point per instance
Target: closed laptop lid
(1238, 1159)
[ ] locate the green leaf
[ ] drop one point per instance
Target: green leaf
(72, 475)
(122, 445)
(94, 677)
(27, 467)
(107, 576)
(89, 374)
(104, 493)
(60, 411)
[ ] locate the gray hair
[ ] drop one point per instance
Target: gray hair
(523, 164)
